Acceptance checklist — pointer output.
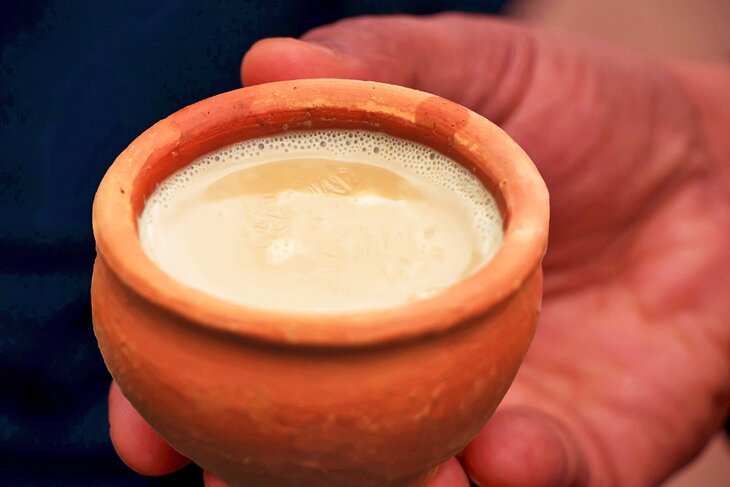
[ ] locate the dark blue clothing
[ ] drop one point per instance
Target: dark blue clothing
(79, 80)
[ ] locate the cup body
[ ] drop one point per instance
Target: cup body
(264, 398)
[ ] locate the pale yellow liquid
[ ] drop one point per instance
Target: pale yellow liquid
(313, 233)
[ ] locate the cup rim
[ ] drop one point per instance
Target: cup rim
(237, 115)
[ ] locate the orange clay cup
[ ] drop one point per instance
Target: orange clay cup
(272, 398)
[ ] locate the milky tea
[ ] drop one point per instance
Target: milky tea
(321, 221)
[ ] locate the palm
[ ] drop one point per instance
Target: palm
(631, 274)
(611, 359)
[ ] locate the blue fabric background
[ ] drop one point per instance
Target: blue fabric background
(79, 80)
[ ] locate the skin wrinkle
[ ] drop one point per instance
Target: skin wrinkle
(482, 98)
(539, 103)
(527, 53)
(569, 276)
(575, 467)
(515, 53)
(681, 165)
(385, 61)
(548, 162)
(618, 177)
(559, 169)
(589, 148)
(578, 470)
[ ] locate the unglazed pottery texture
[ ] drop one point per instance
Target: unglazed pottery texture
(274, 399)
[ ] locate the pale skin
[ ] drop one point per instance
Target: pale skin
(629, 373)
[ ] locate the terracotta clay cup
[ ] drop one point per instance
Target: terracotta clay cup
(273, 399)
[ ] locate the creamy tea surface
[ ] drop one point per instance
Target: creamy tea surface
(321, 221)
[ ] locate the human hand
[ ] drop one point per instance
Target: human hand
(629, 373)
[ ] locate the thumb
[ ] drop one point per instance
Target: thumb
(442, 54)
(524, 447)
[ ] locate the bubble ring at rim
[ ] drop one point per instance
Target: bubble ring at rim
(315, 104)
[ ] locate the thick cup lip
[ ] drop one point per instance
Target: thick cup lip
(266, 109)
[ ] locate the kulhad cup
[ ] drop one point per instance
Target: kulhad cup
(279, 399)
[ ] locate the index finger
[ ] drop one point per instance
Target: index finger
(136, 443)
